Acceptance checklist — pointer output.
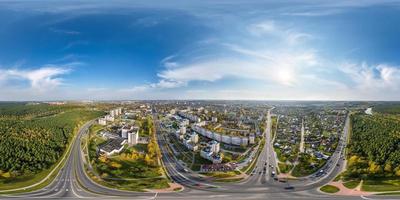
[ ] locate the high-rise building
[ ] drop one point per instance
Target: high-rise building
(133, 138)
(214, 146)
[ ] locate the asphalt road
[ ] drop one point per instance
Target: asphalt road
(73, 183)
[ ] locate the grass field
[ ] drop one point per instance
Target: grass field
(284, 168)
(133, 185)
(228, 180)
(381, 185)
(351, 184)
(222, 174)
(329, 189)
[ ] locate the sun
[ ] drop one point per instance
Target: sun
(285, 76)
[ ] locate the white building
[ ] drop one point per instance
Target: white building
(211, 152)
(112, 113)
(133, 138)
(245, 141)
(236, 140)
(189, 116)
(182, 129)
(214, 146)
(191, 140)
(179, 135)
(102, 121)
(185, 122)
(252, 139)
(194, 137)
(124, 132)
(227, 139)
(109, 118)
(214, 119)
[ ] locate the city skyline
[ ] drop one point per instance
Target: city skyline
(190, 50)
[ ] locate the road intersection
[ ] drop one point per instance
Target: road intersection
(73, 182)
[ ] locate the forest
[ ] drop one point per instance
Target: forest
(374, 149)
(33, 137)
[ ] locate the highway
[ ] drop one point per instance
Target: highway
(73, 183)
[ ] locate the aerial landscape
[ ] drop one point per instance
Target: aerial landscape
(227, 99)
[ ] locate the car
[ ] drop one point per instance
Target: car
(282, 180)
(289, 188)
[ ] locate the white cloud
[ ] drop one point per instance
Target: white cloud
(270, 28)
(373, 77)
(40, 79)
(265, 27)
(168, 84)
(280, 68)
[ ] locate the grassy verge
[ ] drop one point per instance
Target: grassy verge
(381, 185)
(329, 189)
(221, 174)
(351, 184)
(284, 168)
(390, 193)
(139, 185)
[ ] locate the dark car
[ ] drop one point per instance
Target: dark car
(289, 188)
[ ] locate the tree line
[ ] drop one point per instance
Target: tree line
(375, 146)
(31, 145)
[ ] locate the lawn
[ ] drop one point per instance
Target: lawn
(221, 174)
(381, 185)
(351, 184)
(126, 169)
(284, 168)
(133, 185)
(329, 189)
(304, 168)
(198, 161)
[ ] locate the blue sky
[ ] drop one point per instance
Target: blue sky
(264, 50)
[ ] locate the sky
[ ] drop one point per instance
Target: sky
(242, 49)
